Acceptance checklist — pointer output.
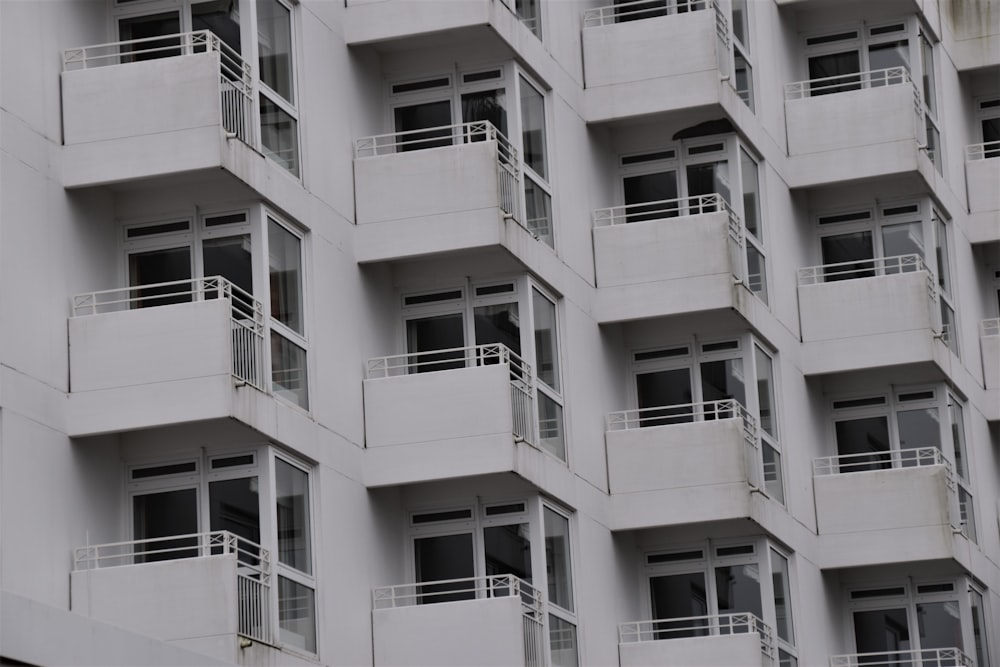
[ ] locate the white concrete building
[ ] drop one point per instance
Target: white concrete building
(496, 332)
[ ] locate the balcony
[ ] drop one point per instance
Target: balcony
(437, 190)
(669, 257)
(156, 107)
(446, 413)
(736, 640)
(855, 126)
(207, 592)
(682, 464)
(889, 506)
(495, 620)
(405, 24)
(653, 57)
(931, 657)
(989, 341)
(154, 355)
(982, 173)
(869, 314)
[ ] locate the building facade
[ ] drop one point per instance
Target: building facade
(535, 332)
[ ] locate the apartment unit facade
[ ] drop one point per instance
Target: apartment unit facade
(468, 332)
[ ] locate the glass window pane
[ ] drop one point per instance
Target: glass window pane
(498, 323)
(635, 10)
(940, 625)
(773, 485)
(709, 178)
(488, 105)
(835, 65)
(756, 277)
(442, 558)
(782, 597)
(538, 211)
(941, 253)
(933, 143)
(656, 187)
(948, 333)
(234, 505)
(557, 560)
(292, 501)
(849, 252)
(765, 392)
(905, 238)
(869, 436)
(881, 630)
(160, 266)
(967, 514)
(751, 194)
(678, 596)
(222, 19)
(738, 591)
(533, 128)
(285, 270)
(927, 70)
(274, 42)
(723, 379)
(441, 332)
(145, 27)
(740, 31)
(279, 135)
(958, 437)
(288, 371)
(562, 642)
(508, 550)
(161, 515)
(886, 55)
(546, 340)
(527, 11)
(297, 614)
(979, 630)
(229, 257)
(743, 78)
(424, 117)
(918, 429)
(663, 388)
(550, 426)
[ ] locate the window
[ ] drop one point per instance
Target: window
(915, 616)
(693, 381)
(687, 586)
(559, 574)
(230, 491)
(851, 241)
(742, 77)
(278, 124)
(988, 126)
(288, 349)
(529, 13)
(537, 197)
(439, 325)
(875, 56)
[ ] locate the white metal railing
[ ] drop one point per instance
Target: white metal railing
(476, 588)
(931, 657)
(247, 315)
(846, 82)
(982, 151)
(253, 571)
(508, 174)
(867, 268)
(521, 378)
(989, 328)
(881, 460)
(235, 74)
(698, 626)
(669, 415)
(640, 9)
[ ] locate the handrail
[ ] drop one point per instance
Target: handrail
(864, 268)
(246, 315)
(989, 328)
(985, 150)
(931, 657)
(447, 590)
(640, 9)
(717, 624)
(252, 556)
(662, 209)
(447, 359)
(846, 82)
(882, 460)
(436, 137)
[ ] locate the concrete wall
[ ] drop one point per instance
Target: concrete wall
(736, 650)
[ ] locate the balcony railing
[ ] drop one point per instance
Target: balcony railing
(247, 315)
(235, 75)
(982, 151)
(476, 588)
(521, 378)
(932, 657)
(868, 461)
(253, 572)
(698, 626)
(868, 268)
(841, 83)
(508, 173)
(641, 9)
(989, 328)
(707, 411)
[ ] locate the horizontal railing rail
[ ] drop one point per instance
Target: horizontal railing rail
(882, 460)
(931, 657)
(235, 74)
(989, 328)
(253, 572)
(663, 209)
(436, 137)
(698, 626)
(988, 149)
(640, 9)
(247, 315)
(846, 82)
(451, 590)
(865, 268)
